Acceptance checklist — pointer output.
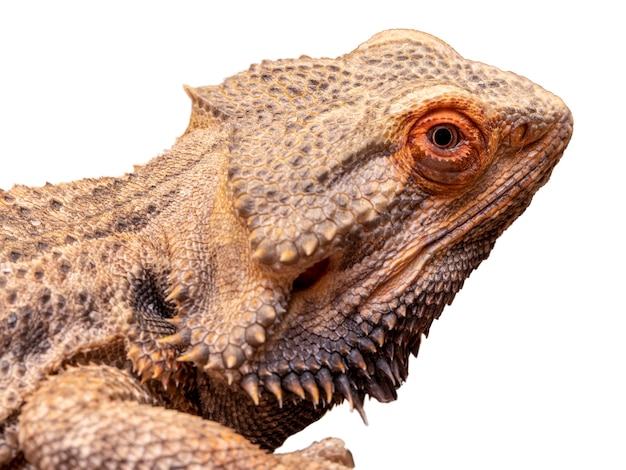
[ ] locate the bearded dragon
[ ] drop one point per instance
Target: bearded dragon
(287, 254)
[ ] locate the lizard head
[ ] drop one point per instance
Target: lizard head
(368, 187)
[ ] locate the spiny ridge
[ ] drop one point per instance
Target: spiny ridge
(180, 338)
(150, 362)
(199, 355)
(325, 380)
(308, 384)
(250, 383)
(272, 384)
(374, 365)
(291, 382)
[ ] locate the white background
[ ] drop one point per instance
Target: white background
(526, 369)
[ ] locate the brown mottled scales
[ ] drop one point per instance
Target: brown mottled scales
(287, 254)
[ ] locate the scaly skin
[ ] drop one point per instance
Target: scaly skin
(287, 254)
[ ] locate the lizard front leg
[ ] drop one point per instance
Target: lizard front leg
(101, 417)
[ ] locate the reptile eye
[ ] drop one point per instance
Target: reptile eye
(444, 136)
(448, 149)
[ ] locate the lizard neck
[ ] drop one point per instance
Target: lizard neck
(266, 424)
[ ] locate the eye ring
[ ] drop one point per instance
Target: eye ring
(447, 149)
(444, 136)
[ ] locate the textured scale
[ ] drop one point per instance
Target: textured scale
(288, 253)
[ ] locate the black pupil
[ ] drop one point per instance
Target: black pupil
(443, 137)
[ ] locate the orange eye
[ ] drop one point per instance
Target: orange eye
(448, 149)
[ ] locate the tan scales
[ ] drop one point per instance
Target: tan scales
(288, 253)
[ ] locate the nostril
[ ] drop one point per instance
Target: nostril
(520, 135)
(311, 275)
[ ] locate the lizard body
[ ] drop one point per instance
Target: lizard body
(287, 254)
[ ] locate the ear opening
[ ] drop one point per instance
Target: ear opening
(311, 275)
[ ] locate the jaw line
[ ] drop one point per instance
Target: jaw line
(403, 273)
